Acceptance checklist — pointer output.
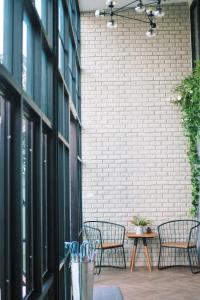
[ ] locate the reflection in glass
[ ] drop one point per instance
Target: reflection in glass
(66, 118)
(1, 29)
(26, 207)
(70, 63)
(44, 203)
(38, 6)
(6, 34)
(44, 92)
(61, 46)
(41, 7)
(61, 62)
(24, 200)
(27, 57)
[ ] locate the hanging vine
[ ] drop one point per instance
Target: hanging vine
(189, 101)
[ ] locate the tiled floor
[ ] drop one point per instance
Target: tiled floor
(170, 284)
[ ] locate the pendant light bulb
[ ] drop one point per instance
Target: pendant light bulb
(110, 3)
(159, 13)
(97, 13)
(112, 24)
(150, 12)
(151, 32)
(140, 8)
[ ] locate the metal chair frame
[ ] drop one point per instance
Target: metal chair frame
(93, 231)
(185, 241)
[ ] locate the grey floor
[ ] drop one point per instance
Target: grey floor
(170, 284)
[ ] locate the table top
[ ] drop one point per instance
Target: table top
(133, 235)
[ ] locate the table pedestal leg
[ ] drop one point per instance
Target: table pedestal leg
(133, 255)
(148, 261)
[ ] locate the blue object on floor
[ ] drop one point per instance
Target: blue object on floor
(107, 293)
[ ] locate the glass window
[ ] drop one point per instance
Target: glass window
(44, 92)
(66, 195)
(45, 202)
(61, 60)
(61, 202)
(61, 29)
(45, 12)
(61, 20)
(27, 197)
(70, 53)
(79, 141)
(41, 6)
(6, 33)
(46, 86)
(2, 201)
(5, 157)
(64, 230)
(27, 56)
(60, 107)
(66, 118)
(70, 64)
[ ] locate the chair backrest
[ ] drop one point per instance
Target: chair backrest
(107, 231)
(179, 231)
(92, 234)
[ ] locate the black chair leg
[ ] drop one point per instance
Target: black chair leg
(124, 257)
(100, 262)
(159, 259)
(192, 267)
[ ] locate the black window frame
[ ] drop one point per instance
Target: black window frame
(44, 285)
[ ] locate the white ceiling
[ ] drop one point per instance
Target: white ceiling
(91, 5)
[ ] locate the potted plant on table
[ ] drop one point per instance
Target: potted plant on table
(140, 224)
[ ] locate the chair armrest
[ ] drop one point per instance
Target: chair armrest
(194, 235)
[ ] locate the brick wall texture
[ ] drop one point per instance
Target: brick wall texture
(134, 149)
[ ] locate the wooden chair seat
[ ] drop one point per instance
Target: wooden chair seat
(180, 245)
(110, 245)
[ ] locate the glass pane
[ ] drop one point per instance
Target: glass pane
(44, 202)
(27, 57)
(60, 109)
(26, 207)
(41, 6)
(66, 118)
(61, 21)
(50, 90)
(38, 5)
(2, 201)
(61, 28)
(66, 204)
(6, 33)
(61, 202)
(70, 53)
(44, 85)
(61, 57)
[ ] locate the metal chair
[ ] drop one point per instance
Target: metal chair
(179, 243)
(110, 252)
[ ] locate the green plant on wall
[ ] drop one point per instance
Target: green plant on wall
(189, 101)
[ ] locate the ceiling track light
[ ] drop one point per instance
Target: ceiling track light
(151, 10)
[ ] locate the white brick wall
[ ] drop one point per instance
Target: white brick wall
(134, 150)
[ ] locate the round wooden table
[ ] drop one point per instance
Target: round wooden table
(144, 237)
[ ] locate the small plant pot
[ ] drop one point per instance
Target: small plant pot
(139, 229)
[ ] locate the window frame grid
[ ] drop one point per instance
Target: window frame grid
(12, 83)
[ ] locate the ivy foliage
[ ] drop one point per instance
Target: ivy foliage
(189, 102)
